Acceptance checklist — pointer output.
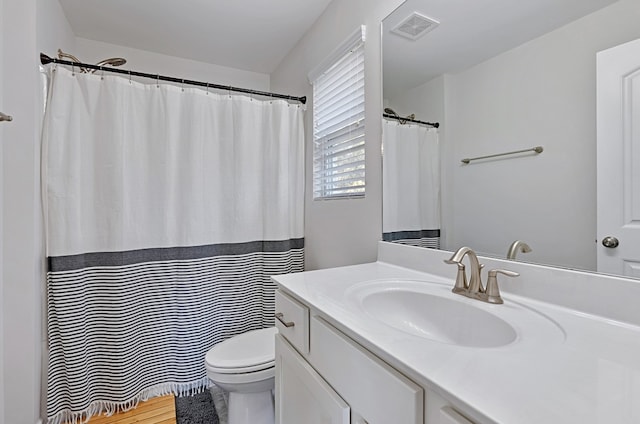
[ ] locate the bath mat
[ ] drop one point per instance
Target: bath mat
(196, 409)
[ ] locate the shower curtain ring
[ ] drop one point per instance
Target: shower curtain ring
(207, 89)
(73, 70)
(182, 86)
(102, 73)
(157, 80)
(229, 90)
(129, 76)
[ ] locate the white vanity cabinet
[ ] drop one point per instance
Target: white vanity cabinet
(324, 376)
(374, 390)
(302, 396)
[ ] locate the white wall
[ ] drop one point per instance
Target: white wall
(426, 101)
(90, 51)
(541, 93)
(2, 109)
(28, 27)
(341, 232)
(53, 33)
(22, 261)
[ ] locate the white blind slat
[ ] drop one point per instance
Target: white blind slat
(339, 139)
(343, 155)
(355, 163)
(345, 102)
(352, 121)
(351, 71)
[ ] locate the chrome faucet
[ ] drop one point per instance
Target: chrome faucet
(475, 282)
(515, 246)
(474, 289)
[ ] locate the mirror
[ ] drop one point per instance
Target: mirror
(502, 76)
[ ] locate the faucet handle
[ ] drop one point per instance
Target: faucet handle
(492, 290)
(461, 279)
(461, 285)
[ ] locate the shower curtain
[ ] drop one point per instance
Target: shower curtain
(411, 184)
(166, 211)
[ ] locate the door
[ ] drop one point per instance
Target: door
(618, 159)
(302, 396)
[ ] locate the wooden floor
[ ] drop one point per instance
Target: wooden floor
(159, 410)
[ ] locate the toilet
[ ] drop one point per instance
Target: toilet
(244, 366)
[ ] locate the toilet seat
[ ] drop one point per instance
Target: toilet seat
(244, 367)
(241, 370)
(249, 352)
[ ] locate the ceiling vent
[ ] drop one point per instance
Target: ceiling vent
(415, 26)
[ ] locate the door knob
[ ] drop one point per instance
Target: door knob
(610, 242)
(4, 117)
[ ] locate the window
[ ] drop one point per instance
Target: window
(338, 122)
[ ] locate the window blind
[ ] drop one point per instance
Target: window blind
(338, 124)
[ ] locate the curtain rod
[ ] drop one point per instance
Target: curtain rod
(400, 118)
(44, 59)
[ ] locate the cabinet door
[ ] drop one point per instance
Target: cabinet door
(376, 393)
(302, 396)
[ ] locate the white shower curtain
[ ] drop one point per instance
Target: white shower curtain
(166, 211)
(411, 184)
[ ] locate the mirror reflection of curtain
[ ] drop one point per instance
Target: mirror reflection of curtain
(411, 184)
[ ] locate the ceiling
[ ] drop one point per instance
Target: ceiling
(253, 35)
(470, 32)
(256, 35)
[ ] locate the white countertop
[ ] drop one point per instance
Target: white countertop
(580, 369)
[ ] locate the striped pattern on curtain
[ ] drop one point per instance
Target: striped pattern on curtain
(166, 306)
(421, 238)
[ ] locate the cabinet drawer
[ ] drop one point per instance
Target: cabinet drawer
(292, 321)
(374, 390)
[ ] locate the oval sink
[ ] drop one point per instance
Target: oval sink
(431, 311)
(438, 318)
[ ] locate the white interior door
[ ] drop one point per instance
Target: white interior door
(618, 159)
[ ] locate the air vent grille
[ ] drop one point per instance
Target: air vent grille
(415, 26)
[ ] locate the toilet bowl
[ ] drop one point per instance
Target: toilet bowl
(243, 366)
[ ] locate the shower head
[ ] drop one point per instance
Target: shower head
(402, 120)
(114, 61)
(390, 111)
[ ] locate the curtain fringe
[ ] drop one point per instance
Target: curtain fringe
(109, 408)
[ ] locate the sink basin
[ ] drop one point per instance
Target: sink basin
(431, 311)
(438, 318)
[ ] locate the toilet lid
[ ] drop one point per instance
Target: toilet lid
(246, 352)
